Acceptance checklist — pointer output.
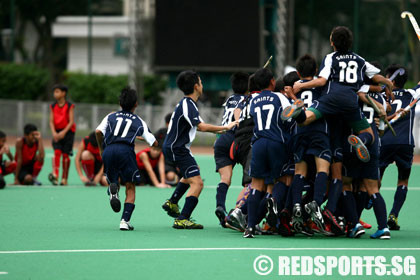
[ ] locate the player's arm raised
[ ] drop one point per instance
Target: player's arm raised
(318, 82)
(388, 85)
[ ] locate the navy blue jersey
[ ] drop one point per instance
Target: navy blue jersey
(182, 128)
(345, 72)
(229, 106)
(309, 96)
(122, 127)
(404, 126)
(265, 110)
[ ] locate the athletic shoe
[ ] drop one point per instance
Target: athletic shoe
(53, 179)
(393, 222)
(171, 208)
(236, 220)
(186, 224)
(125, 225)
(360, 148)
(221, 215)
(330, 219)
(284, 227)
(293, 110)
(36, 182)
(311, 225)
(365, 225)
(272, 213)
(314, 211)
(297, 220)
(356, 232)
(249, 233)
(114, 199)
(342, 223)
(266, 229)
(307, 230)
(381, 234)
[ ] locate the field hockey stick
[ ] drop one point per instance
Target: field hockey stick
(406, 109)
(372, 103)
(268, 61)
(413, 22)
(399, 71)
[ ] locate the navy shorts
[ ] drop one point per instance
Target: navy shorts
(120, 163)
(315, 144)
(65, 145)
(222, 148)
(187, 165)
(401, 154)
(26, 169)
(269, 158)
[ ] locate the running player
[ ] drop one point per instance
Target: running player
(89, 158)
(222, 146)
(399, 149)
(29, 156)
(181, 132)
(268, 143)
(116, 135)
(6, 166)
(62, 129)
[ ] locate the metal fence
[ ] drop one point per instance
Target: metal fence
(15, 114)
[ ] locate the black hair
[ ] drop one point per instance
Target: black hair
(252, 86)
(290, 78)
(92, 139)
(263, 77)
(29, 128)
(306, 66)
(2, 134)
(160, 137)
(399, 80)
(60, 87)
(128, 98)
(239, 81)
(168, 117)
(279, 85)
(186, 81)
(342, 38)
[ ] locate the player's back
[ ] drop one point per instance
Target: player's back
(404, 126)
(345, 72)
(182, 128)
(229, 106)
(122, 127)
(265, 110)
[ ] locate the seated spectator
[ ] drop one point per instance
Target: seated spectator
(89, 158)
(151, 164)
(172, 173)
(6, 166)
(29, 156)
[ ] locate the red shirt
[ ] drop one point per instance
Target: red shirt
(61, 115)
(94, 150)
(28, 153)
(153, 161)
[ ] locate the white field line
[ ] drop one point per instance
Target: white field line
(3, 272)
(203, 249)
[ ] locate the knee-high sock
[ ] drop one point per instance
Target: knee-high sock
(56, 162)
(128, 210)
(361, 198)
(279, 194)
(37, 168)
(262, 208)
(221, 193)
(379, 207)
(254, 199)
(89, 168)
(336, 187)
(366, 138)
(349, 207)
(66, 166)
(399, 198)
(320, 187)
(189, 206)
(297, 188)
(179, 191)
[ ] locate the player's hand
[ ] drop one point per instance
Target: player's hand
(297, 86)
(403, 112)
(232, 125)
(84, 179)
(162, 186)
(55, 137)
(140, 138)
(16, 182)
(5, 149)
(37, 135)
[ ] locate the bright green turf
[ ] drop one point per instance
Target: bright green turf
(60, 218)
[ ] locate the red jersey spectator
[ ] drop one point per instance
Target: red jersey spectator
(29, 156)
(151, 164)
(89, 159)
(62, 129)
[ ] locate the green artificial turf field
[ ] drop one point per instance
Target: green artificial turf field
(71, 233)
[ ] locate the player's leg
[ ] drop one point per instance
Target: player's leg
(88, 164)
(53, 177)
(403, 159)
(348, 205)
(361, 196)
(379, 208)
(296, 188)
(254, 198)
(67, 152)
(111, 165)
(130, 197)
(365, 136)
(39, 162)
(221, 192)
(9, 167)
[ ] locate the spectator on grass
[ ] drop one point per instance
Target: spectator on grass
(6, 166)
